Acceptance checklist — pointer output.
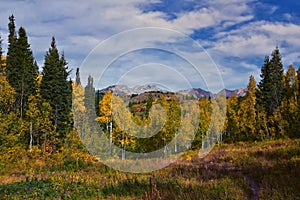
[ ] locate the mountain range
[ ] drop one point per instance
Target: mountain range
(194, 92)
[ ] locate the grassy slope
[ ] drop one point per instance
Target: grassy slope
(269, 170)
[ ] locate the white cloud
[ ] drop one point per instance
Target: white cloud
(80, 25)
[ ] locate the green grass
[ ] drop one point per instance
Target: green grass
(273, 167)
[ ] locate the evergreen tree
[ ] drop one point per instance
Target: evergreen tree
(11, 52)
(89, 100)
(264, 86)
(21, 70)
(77, 79)
(97, 100)
(271, 92)
(56, 89)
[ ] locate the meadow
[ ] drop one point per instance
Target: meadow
(260, 170)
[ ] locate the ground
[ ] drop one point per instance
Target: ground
(262, 170)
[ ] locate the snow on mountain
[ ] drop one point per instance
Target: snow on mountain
(125, 90)
(193, 92)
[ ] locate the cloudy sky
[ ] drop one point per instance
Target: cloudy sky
(235, 34)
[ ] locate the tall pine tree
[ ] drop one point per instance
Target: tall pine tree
(89, 100)
(56, 89)
(271, 92)
(21, 69)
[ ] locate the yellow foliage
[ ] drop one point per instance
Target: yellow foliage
(105, 108)
(3, 59)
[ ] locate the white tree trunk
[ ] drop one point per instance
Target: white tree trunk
(31, 137)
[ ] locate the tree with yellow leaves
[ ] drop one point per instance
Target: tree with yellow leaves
(247, 112)
(105, 117)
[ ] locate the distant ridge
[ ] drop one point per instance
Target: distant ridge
(193, 92)
(125, 90)
(230, 93)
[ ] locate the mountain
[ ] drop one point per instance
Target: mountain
(196, 92)
(229, 93)
(192, 92)
(125, 90)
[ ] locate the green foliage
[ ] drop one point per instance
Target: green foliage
(56, 89)
(21, 69)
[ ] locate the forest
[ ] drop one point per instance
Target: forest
(51, 128)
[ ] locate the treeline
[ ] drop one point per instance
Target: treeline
(41, 109)
(269, 110)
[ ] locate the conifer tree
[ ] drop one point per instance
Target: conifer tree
(11, 52)
(89, 100)
(271, 92)
(21, 69)
(57, 89)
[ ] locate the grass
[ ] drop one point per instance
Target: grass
(264, 170)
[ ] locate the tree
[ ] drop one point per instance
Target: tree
(89, 100)
(289, 104)
(9, 123)
(232, 122)
(247, 112)
(56, 89)
(105, 117)
(21, 69)
(78, 106)
(205, 110)
(148, 105)
(2, 70)
(39, 120)
(270, 92)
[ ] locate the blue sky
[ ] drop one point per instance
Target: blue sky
(236, 34)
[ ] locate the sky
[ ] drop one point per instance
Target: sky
(176, 43)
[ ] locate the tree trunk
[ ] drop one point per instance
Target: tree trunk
(31, 137)
(110, 136)
(175, 147)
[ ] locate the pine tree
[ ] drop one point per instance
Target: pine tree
(264, 86)
(89, 100)
(271, 92)
(57, 89)
(21, 69)
(11, 52)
